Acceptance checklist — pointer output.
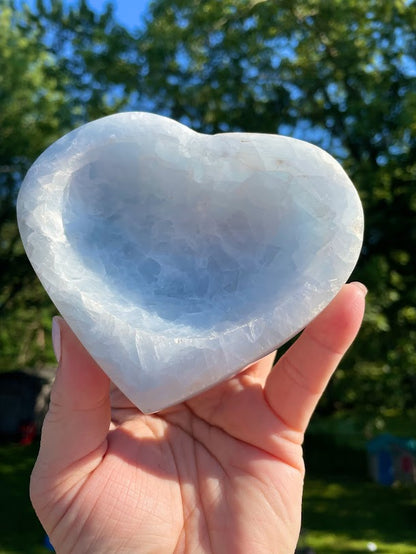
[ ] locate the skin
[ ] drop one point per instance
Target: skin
(220, 473)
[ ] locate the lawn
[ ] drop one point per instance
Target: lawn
(20, 531)
(343, 516)
(343, 510)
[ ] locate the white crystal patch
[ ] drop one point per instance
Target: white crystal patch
(179, 258)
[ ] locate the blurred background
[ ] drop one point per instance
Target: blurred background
(338, 73)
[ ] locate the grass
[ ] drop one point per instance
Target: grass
(343, 510)
(20, 531)
(342, 516)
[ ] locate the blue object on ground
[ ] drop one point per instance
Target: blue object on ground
(47, 544)
(392, 459)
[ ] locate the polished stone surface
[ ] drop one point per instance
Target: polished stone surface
(179, 258)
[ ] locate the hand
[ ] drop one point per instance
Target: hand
(220, 473)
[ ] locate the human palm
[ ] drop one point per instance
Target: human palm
(220, 473)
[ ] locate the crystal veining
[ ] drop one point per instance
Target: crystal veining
(179, 258)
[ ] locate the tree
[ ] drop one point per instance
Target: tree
(29, 119)
(340, 74)
(52, 78)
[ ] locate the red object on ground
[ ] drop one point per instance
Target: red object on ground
(27, 433)
(407, 464)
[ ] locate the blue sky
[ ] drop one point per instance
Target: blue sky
(128, 12)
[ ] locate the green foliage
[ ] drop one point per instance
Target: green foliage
(30, 104)
(58, 68)
(340, 74)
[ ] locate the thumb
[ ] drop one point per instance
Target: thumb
(77, 423)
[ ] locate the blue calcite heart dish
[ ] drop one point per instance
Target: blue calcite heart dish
(179, 258)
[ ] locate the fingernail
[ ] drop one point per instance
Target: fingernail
(360, 286)
(56, 338)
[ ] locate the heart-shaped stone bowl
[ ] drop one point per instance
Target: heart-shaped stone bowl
(179, 258)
